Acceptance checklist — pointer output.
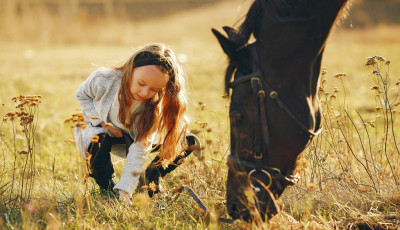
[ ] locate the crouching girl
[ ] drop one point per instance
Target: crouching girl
(142, 104)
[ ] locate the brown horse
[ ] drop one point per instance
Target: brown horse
(274, 110)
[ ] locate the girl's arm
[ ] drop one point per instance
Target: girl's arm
(135, 160)
(87, 92)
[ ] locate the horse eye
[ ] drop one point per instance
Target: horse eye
(235, 117)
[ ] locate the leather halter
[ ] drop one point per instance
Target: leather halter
(261, 88)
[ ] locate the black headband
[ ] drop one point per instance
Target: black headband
(148, 58)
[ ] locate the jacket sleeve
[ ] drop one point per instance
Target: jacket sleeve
(87, 93)
(137, 156)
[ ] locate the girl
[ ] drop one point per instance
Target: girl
(144, 99)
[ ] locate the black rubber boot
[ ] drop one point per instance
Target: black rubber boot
(155, 171)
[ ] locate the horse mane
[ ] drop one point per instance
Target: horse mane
(276, 10)
(343, 13)
(248, 26)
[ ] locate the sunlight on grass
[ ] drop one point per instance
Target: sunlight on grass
(350, 173)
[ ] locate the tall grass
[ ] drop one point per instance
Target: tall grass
(350, 172)
(349, 175)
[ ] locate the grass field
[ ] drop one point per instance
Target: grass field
(349, 174)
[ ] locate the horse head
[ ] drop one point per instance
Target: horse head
(274, 109)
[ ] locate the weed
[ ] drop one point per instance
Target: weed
(19, 149)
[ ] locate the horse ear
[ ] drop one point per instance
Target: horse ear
(233, 34)
(227, 45)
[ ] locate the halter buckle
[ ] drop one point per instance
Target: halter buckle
(258, 156)
(273, 94)
(255, 79)
(261, 93)
(266, 186)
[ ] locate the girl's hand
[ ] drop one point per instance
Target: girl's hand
(124, 196)
(115, 132)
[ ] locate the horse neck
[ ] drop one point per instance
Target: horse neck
(296, 83)
(293, 76)
(294, 67)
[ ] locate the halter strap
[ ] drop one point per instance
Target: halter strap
(274, 172)
(244, 78)
(274, 96)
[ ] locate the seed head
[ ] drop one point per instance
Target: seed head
(81, 124)
(375, 87)
(381, 58)
(323, 70)
(69, 141)
(145, 187)
(201, 124)
(340, 75)
(372, 124)
(109, 125)
(335, 90)
(152, 186)
(195, 131)
(371, 61)
(95, 139)
(78, 117)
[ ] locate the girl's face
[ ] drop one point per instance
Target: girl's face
(147, 81)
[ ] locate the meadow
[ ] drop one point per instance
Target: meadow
(349, 174)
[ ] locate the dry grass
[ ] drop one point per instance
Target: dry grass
(54, 60)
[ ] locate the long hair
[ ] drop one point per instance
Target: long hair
(165, 113)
